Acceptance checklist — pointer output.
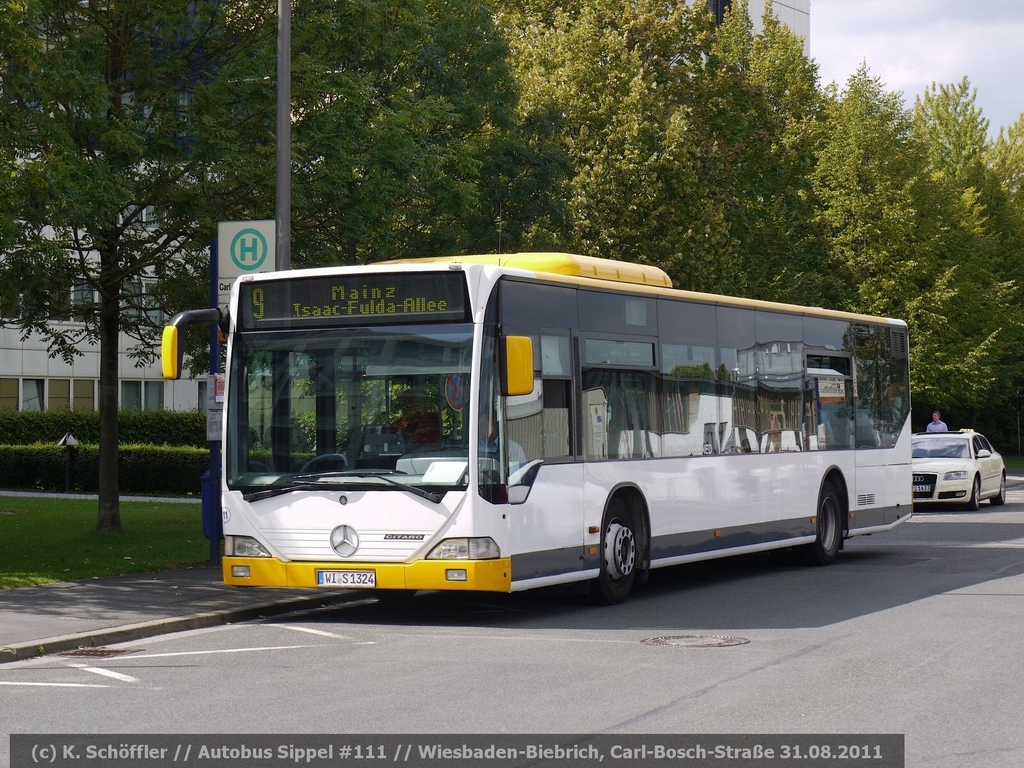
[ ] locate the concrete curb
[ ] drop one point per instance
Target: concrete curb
(129, 632)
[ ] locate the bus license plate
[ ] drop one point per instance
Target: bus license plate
(361, 579)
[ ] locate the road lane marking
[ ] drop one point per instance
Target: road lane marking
(223, 650)
(57, 685)
(320, 632)
(105, 673)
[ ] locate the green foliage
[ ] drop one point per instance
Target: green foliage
(144, 469)
(115, 127)
(175, 428)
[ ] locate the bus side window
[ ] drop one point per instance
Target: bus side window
(539, 422)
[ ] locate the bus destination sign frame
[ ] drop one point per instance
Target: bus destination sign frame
(352, 300)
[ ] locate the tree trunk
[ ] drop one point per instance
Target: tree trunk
(109, 516)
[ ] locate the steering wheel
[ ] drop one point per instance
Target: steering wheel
(325, 462)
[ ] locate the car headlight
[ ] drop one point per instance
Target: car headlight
(244, 546)
(958, 475)
(465, 549)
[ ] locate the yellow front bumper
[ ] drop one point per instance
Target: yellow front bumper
(481, 575)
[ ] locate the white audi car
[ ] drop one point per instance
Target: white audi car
(957, 468)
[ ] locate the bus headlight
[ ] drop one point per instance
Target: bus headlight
(465, 549)
(958, 475)
(244, 546)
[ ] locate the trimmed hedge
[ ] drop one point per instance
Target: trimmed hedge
(142, 469)
(180, 428)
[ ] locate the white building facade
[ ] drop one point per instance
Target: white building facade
(795, 14)
(32, 380)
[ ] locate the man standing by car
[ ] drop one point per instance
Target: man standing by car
(937, 424)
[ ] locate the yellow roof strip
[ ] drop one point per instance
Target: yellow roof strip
(562, 264)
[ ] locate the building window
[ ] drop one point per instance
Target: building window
(8, 394)
(32, 394)
(154, 395)
(10, 303)
(84, 395)
(58, 396)
(131, 395)
(718, 9)
(83, 298)
(139, 395)
(142, 304)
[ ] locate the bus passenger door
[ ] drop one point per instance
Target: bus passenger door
(545, 514)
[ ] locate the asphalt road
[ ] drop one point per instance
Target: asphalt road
(919, 631)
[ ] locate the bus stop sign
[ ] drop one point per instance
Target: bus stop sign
(243, 248)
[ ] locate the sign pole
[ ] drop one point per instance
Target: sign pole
(284, 133)
(212, 522)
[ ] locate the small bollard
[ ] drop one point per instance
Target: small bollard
(70, 448)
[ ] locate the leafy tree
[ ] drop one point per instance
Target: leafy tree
(907, 204)
(866, 178)
(952, 131)
(620, 79)
(402, 110)
(110, 111)
(688, 147)
(136, 126)
(1006, 158)
(762, 105)
(981, 237)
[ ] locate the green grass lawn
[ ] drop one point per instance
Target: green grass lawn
(53, 539)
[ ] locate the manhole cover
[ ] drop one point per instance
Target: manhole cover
(696, 641)
(99, 653)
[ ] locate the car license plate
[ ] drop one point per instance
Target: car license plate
(922, 489)
(361, 579)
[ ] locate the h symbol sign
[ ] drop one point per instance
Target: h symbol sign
(249, 250)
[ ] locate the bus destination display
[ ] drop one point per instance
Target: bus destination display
(305, 302)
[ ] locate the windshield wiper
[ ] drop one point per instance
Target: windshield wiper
(314, 482)
(298, 485)
(428, 495)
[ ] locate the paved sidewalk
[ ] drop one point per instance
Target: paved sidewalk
(86, 614)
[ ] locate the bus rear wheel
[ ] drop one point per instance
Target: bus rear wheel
(828, 528)
(618, 554)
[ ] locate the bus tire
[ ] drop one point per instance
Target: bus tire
(619, 553)
(828, 527)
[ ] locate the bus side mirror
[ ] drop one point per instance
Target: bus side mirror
(518, 379)
(172, 351)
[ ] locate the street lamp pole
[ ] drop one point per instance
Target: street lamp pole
(284, 134)
(1018, 425)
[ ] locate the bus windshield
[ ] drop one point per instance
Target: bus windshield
(362, 408)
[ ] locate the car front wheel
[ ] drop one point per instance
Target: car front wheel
(975, 501)
(1000, 498)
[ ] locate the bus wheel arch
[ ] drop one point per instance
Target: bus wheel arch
(624, 549)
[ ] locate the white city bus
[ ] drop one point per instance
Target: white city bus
(507, 422)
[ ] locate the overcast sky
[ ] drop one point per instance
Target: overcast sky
(911, 43)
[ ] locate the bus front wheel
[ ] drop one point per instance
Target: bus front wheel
(618, 554)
